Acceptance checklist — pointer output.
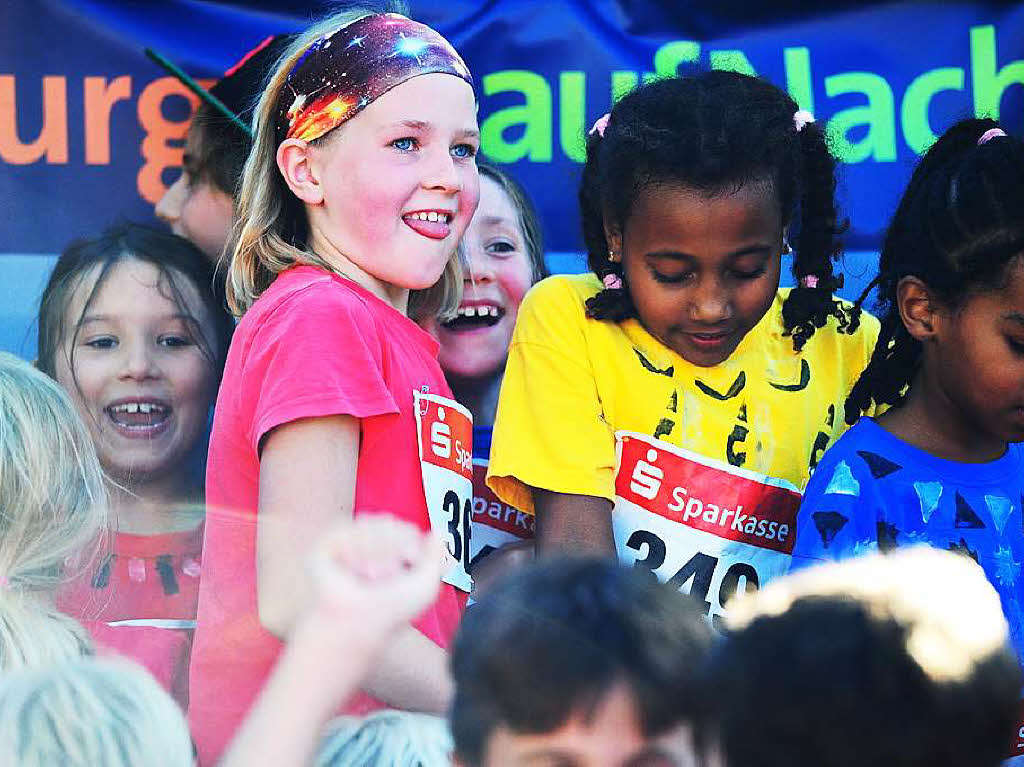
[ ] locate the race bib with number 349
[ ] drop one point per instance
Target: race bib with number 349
(702, 525)
(444, 431)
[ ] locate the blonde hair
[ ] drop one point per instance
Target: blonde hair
(271, 230)
(395, 738)
(952, 616)
(90, 713)
(52, 507)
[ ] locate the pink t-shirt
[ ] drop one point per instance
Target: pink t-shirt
(138, 599)
(313, 345)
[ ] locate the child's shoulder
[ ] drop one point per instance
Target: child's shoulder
(556, 304)
(308, 296)
(563, 290)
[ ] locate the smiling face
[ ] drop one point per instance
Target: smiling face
(141, 382)
(497, 275)
(400, 182)
(610, 737)
(975, 360)
(702, 270)
(196, 209)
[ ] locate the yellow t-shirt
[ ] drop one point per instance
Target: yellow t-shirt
(573, 383)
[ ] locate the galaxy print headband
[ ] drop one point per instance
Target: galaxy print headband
(346, 70)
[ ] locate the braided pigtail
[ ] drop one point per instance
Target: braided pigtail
(812, 301)
(613, 303)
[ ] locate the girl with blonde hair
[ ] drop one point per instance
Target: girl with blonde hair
(361, 182)
(52, 507)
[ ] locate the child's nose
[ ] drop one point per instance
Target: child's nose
(711, 302)
(443, 174)
(138, 362)
(477, 265)
(168, 209)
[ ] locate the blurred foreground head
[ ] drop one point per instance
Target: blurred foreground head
(90, 713)
(53, 508)
(900, 660)
(578, 661)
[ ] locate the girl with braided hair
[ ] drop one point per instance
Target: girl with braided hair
(668, 405)
(944, 464)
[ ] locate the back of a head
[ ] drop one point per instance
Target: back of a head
(52, 506)
(551, 640)
(223, 145)
(899, 660)
(90, 713)
(386, 739)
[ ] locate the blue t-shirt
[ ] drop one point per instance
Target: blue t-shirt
(872, 491)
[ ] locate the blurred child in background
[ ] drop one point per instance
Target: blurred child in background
(131, 323)
(200, 204)
(503, 249)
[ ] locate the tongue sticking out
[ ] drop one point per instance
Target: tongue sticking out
(435, 230)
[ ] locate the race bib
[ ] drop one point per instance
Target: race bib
(444, 431)
(494, 523)
(702, 525)
(1017, 747)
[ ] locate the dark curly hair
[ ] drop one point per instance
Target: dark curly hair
(958, 227)
(716, 131)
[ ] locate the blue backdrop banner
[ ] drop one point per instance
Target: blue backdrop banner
(92, 131)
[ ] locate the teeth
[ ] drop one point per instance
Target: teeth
(479, 311)
(432, 215)
(138, 407)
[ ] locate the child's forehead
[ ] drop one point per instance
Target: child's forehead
(131, 285)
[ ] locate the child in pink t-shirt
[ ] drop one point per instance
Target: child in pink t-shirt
(361, 182)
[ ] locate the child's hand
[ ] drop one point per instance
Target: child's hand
(372, 574)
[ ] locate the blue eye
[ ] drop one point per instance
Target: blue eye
(464, 150)
(404, 144)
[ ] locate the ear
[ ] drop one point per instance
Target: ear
(296, 162)
(614, 239)
(919, 309)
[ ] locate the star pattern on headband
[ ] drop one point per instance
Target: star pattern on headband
(371, 56)
(409, 46)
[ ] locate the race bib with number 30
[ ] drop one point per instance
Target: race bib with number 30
(705, 526)
(444, 431)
